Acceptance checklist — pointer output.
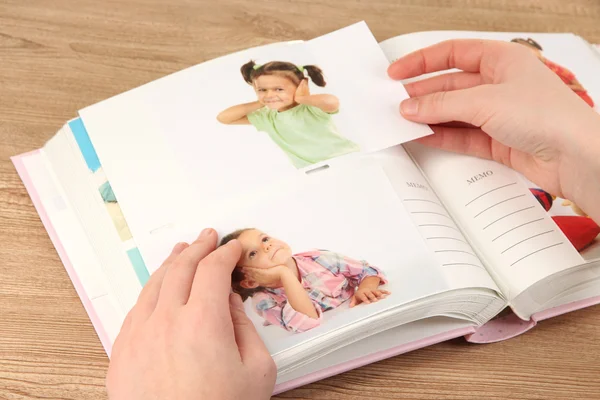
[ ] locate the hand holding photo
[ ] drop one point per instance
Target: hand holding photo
(293, 290)
(298, 122)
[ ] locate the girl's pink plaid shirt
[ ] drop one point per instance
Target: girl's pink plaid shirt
(329, 278)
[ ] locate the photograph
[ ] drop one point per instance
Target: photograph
(318, 253)
(293, 290)
(300, 123)
(225, 128)
(113, 208)
(577, 226)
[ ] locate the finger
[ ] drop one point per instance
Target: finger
(248, 273)
(444, 83)
(123, 337)
(254, 274)
(126, 326)
(385, 292)
(371, 296)
(178, 279)
(212, 282)
(457, 124)
(465, 54)
(471, 141)
(353, 301)
(473, 106)
(148, 297)
(364, 298)
(378, 294)
(477, 143)
(249, 344)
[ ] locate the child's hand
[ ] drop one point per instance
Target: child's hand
(302, 89)
(266, 277)
(367, 295)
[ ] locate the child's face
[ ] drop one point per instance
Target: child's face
(259, 250)
(274, 91)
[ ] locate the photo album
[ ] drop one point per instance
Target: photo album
(298, 150)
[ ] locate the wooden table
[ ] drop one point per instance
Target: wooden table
(59, 56)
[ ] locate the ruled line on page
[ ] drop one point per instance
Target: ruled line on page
(446, 237)
(500, 202)
(489, 191)
(473, 265)
(456, 251)
(428, 201)
(524, 240)
(508, 215)
(445, 226)
(537, 251)
(431, 212)
(518, 226)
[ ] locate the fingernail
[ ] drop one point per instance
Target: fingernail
(409, 106)
(206, 233)
(236, 301)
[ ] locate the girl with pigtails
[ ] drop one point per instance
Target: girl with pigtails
(298, 122)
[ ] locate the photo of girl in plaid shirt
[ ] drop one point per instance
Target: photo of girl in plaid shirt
(293, 290)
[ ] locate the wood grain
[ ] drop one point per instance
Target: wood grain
(58, 56)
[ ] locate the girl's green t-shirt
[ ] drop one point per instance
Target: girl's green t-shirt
(305, 133)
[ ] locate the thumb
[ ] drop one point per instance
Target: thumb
(466, 105)
(250, 345)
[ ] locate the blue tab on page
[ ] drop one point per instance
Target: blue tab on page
(85, 144)
(138, 265)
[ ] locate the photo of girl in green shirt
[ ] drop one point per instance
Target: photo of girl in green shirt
(300, 123)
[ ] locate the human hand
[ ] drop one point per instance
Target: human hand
(266, 277)
(187, 337)
(302, 90)
(367, 295)
(518, 111)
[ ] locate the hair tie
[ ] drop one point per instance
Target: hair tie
(300, 68)
(256, 66)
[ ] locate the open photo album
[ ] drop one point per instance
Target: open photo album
(358, 243)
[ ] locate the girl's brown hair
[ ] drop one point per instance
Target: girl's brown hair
(237, 276)
(250, 71)
(528, 42)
